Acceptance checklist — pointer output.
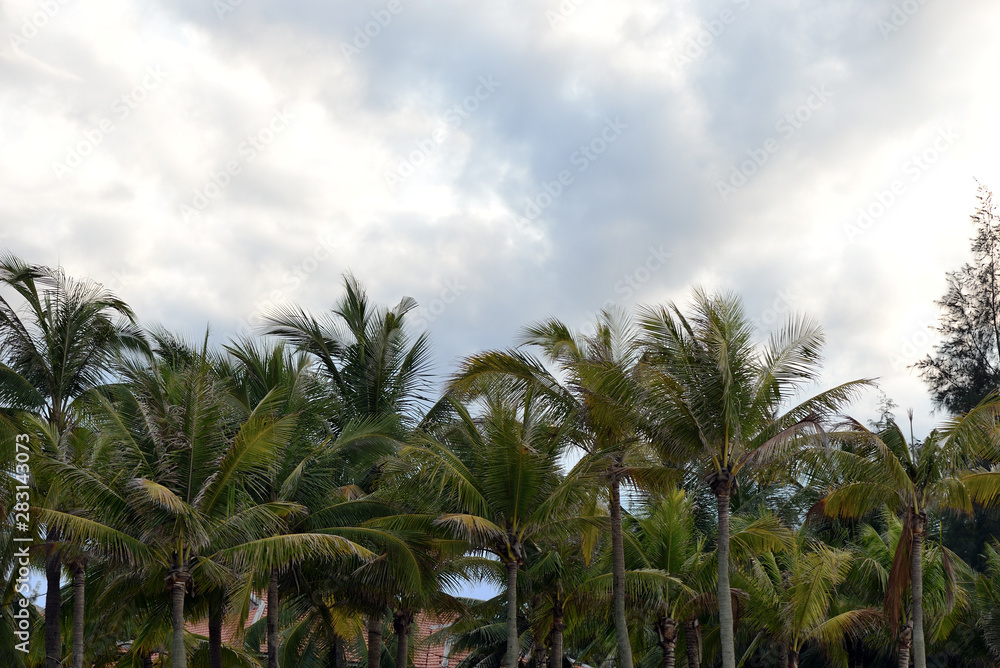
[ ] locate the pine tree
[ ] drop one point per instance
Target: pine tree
(965, 366)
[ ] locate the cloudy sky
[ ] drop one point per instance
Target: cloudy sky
(502, 162)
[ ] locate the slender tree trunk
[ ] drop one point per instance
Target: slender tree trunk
(904, 644)
(666, 629)
(273, 603)
(216, 617)
(782, 654)
(725, 596)
(147, 661)
(338, 652)
(858, 660)
(618, 578)
(178, 655)
(692, 642)
(331, 656)
(539, 653)
(513, 649)
(793, 658)
(556, 650)
(401, 620)
(53, 604)
(374, 641)
(917, 590)
(79, 601)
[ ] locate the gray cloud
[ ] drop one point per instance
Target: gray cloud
(318, 187)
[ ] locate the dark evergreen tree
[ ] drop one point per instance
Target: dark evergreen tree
(965, 366)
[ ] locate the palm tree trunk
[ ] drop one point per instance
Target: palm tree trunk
(917, 590)
(666, 628)
(618, 578)
(858, 658)
(669, 654)
(512, 643)
(374, 641)
(556, 650)
(692, 643)
(539, 653)
(178, 655)
(782, 654)
(904, 644)
(79, 593)
(216, 616)
(338, 652)
(793, 658)
(725, 596)
(272, 619)
(401, 620)
(147, 661)
(53, 605)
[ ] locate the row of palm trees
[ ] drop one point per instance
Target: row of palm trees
(311, 468)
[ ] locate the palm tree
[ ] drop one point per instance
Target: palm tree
(179, 507)
(596, 390)
(375, 370)
(254, 373)
(717, 395)
(661, 544)
(498, 478)
(987, 597)
(945, 601)
(561, 571)
(913, 479)
(56, 344)
(797, 600)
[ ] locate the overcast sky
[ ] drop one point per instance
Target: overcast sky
(503, 162)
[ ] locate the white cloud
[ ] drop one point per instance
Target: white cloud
(320, 182)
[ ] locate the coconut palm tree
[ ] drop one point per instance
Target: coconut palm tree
(179, 507)
(596, 392)
(717, 396)
(797, 596)
(497, 476)
(376, 370)
(987, 597)
(661, 544)
(253, 372)
(913, 479)
(58, 339)
(560, 572)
